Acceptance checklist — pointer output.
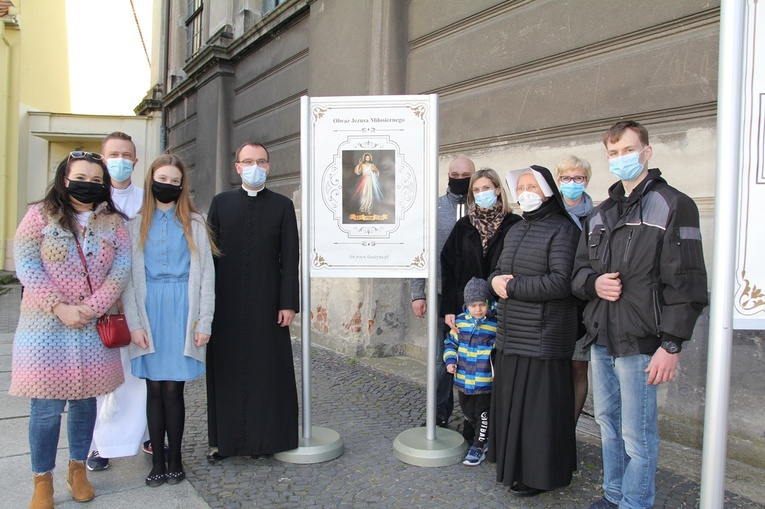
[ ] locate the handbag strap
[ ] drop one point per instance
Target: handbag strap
(84, 263)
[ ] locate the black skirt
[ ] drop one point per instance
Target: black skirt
(531, 423)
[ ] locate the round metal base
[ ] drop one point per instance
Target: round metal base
(413, 447)
(324, 445)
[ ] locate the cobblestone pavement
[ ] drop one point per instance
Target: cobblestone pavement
(369, 408)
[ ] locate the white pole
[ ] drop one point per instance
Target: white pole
(729, 75)
(305, 248)
(432, 313)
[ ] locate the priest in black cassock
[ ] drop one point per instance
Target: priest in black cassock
(252, 401)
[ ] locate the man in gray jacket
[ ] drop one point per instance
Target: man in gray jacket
(451, 207)
(641, 267)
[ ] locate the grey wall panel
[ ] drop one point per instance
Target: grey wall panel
(429, 16)
(272, 126)
(183, 134)
(181, 109)
(341, 38)
(515, 33)
(279, 130)
(272, 52)
(271, 89)
(675, 72)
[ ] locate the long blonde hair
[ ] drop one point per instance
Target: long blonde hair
(184, 208)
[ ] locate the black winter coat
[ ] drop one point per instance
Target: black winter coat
(538, 319)
(462, 258)
(652, 239)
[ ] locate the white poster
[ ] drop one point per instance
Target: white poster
(749, 307)
(369, 163)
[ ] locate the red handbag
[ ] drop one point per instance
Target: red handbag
(113, 328)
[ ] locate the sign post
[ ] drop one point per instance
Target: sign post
(370, 190)
(732, 15)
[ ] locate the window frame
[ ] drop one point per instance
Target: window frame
(194, 26)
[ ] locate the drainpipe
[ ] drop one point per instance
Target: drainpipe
(5, 88)
(165, 75)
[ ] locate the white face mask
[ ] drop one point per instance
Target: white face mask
(529, 201)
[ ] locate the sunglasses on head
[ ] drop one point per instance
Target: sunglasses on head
(78, 154)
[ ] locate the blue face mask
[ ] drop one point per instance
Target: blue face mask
(119, 169)
(254, 176)
(486, 199)
(626, 167)
(571, 190)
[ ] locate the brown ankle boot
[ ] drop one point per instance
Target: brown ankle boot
(43, 496)
(78, 482)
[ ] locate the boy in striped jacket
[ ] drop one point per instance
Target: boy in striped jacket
(467, 355)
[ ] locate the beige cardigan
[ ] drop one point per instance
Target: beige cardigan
(201, 291)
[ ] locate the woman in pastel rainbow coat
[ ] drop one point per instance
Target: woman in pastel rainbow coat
(58, 357)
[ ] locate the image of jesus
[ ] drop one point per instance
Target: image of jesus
(368, 189)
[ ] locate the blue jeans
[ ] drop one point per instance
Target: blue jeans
(45, 427)
(627, 412)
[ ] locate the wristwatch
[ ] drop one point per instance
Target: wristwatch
(671, 346)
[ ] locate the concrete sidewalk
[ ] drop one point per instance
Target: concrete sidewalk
(369, 402)
(121, 486)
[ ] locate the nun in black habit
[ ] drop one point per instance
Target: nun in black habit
(251, 391)
(533, 438)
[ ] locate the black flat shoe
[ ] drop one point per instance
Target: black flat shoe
(155, 480)
(175, 477)
(213, 456)
(521, 490)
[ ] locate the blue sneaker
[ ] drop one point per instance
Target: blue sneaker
(474, 457)
(604, 503)
(96, 462)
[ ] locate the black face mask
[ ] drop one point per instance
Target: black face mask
(459, 186)
(165, 193)
(87, 192)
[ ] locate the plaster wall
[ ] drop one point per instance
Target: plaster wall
(44, 55)
(34, 49)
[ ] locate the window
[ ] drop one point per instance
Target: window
(193, 28)
(270, 5)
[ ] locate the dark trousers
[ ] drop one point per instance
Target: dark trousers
(475, 408)
(444, 381)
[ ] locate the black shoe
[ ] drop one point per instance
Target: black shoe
(604, 503)
(95, 462)
(521, 490)
(213, 456)
(175, 477)
(155, 480)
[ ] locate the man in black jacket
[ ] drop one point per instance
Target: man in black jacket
(641, 267)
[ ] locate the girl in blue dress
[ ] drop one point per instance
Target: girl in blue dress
(169, 306)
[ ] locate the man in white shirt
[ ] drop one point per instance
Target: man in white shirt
(121, 422)
(119, 151)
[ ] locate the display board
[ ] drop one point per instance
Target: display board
(369, 160)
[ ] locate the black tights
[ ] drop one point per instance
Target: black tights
(166, 413)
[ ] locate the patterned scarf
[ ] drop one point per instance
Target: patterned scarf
(581, 210)
(486, 221)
